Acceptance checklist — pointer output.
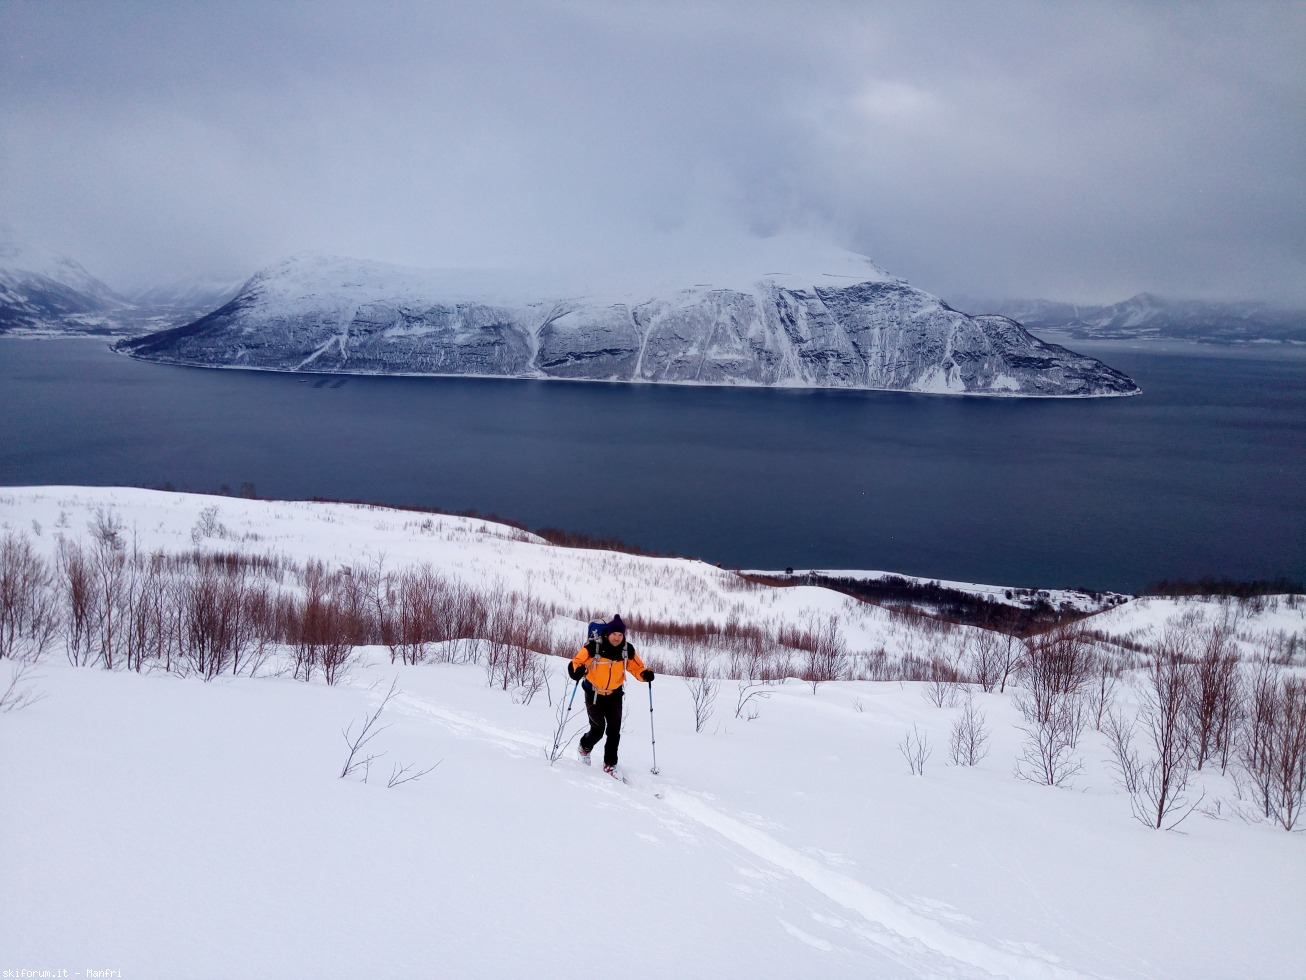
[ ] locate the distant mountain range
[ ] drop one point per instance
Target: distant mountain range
(1148, 316)
(43, 293)
(829, 319)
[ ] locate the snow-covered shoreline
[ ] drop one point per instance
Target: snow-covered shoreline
(733, 383)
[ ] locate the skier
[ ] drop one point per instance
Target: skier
(603, 663)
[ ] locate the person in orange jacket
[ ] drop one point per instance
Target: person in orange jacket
(604, 663)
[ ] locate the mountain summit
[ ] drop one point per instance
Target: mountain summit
(780, 316)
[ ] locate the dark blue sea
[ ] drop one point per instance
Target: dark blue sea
(1203, 474)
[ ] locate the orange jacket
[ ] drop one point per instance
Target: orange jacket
(604, 674)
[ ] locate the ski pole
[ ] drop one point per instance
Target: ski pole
(563, 724)
(652, 734)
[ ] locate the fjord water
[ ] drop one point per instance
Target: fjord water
(1202, 474)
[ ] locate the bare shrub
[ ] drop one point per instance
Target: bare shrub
(941, 684)
(1166, 775)
(1157, 782)
(407, 774)
(1010, 652)
(692, 663)
(531, 676)
(561, 740)
(109, 572)
(322, 630)
(1211, 712)
(75, 584)
(915, 748)
(438, 617)
(771, 667)
(970, 736)
(1100, 695)
(107, 529)
(358, 743)
(207, 525)
(29, 621)
(703, 692)
(19, 694)
(334, 656)
(1120, 733)
(1047, 754)
(1055, 667)
(419, 615)
(258, 630)
(748, 704)
(874, 665)
(827, 652)
(353, 600)
(1290, 753)
(149, 614)
(1272, 750)
(986, 667)
(379, 589)
(517, 628)
(1256, 744)
(758, 651)
(215, 622)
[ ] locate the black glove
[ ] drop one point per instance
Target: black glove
(575, 673)
(648, 677)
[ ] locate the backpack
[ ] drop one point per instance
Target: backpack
(594, 634)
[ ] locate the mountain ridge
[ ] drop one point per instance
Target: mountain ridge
(850, 326)
(1150, 316)
(46, 294)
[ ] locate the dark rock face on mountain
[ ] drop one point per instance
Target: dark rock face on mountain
(865, 330)
(1146, 316)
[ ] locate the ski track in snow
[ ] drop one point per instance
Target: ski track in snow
(466, 725)
(895, 928)
(898, 924)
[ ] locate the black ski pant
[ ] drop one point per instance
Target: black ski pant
(605, 713)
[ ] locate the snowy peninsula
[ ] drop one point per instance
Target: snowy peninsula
(783, 312)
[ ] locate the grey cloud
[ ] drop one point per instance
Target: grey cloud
(1081, 151)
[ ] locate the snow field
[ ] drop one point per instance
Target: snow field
(167, 827)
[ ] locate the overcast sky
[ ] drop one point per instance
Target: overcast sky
(1081, 151)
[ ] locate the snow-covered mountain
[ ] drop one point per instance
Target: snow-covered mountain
(41, 290)
(197, 295)
(46, 294)
(783, 316)
(1150, 316)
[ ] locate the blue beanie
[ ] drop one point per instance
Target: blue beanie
(616, 626)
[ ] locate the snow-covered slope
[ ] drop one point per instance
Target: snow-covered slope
(166, 827)
(786, 315)
(195, 295)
